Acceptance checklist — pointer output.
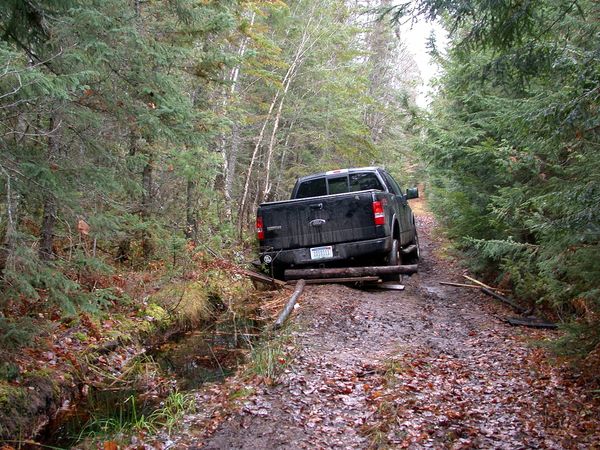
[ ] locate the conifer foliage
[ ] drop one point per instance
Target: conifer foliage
(512, 143)
(128, 128)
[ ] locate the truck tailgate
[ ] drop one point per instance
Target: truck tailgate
(316, 221)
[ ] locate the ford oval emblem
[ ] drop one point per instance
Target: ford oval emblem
(317, 222)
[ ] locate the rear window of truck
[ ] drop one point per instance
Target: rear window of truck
(312, 188)
(360, 181)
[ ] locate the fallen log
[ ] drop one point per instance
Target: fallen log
(533, 323)
(448, 283)
(262, 278)
(347, 272)
(289, 307)
(336, 280)
(503, 299)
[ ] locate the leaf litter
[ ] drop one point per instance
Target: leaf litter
(430, 367)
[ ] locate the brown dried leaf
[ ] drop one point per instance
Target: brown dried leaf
(110, 445)
(83, 228)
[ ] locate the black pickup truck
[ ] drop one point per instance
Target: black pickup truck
(339, 218)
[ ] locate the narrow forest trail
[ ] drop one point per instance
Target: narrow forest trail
(428, 367)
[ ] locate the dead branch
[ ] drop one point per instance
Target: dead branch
(533, 323)
(483, 285)
(262, 278)
(503, 299)
(289, 307)
(477, 282)
(448, 283)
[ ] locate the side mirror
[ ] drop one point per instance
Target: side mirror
(412, 193)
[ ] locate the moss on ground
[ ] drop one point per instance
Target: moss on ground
(24, 407)
(28, 400)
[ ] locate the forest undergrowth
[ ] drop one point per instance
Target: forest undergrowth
(138, 138)
(72, 358)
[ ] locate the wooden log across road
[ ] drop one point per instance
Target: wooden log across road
(345, 272)
(336, 280)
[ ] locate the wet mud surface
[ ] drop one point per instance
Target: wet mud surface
(428, 367)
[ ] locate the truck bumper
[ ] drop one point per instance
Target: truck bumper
(347, 251)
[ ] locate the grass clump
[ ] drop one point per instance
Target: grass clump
(9, 371)
(173, 410)
(126, 418)
(392, 368)
(241, 393)
(185, 303)
(270, 357)
(131, 417)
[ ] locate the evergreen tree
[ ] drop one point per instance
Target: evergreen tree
(127, 128)
(513, 147)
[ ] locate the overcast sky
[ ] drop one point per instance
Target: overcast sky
(415, 36)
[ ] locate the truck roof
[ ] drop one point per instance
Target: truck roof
(339, 171)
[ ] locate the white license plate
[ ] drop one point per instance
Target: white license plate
(321, 252)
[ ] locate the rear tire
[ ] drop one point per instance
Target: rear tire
(393, 259)
(277, 272)
(414, 256)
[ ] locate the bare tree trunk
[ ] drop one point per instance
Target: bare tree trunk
(10, 235)
(259, 139)
(230, 155)
(191, 229)
(252, 162)
(267, 184)
(46, 251)
(303, 47)
(283, 154)
(147, 205)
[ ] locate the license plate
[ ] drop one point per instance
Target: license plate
(321, 252)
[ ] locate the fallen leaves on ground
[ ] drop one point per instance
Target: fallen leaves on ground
(431, 367)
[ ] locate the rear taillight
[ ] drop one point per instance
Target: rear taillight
(378, 214)
(260, 232)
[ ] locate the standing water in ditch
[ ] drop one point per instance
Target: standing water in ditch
(207, 355)
(182, 364)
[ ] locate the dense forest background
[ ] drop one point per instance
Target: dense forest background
(131, 130)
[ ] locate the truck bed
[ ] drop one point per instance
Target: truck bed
(318, 221)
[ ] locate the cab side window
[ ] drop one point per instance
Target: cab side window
(338, 185)
(364, 181)
(392, 184)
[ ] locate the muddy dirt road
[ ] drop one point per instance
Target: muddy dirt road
(428, 367)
